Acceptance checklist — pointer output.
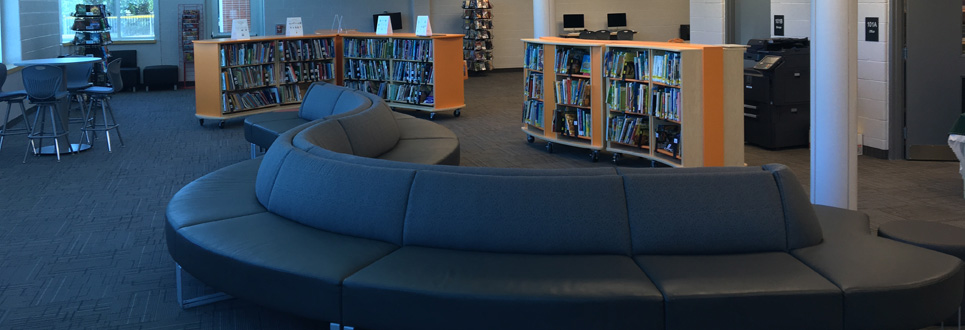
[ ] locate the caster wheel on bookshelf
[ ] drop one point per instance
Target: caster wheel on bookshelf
(595, 156)
(616, 158)
(201, 121)
(221, 124)
(530, 138)
(432, 116)
(549, 147)
(456, 113)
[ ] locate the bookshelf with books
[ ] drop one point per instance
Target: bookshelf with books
(91, 36)
(409, 72)
(677, 104)
(563, 96)
(238, 78)
(478, 40)
(191, 26)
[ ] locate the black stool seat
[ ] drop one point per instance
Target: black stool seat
(934, 236)
(13, 95)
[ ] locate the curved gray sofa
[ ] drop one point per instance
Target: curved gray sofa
(378, 244)
(381, 134)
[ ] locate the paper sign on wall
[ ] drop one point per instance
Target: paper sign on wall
(239, 29)
(422, 26)
(384, 26)
(294, 27)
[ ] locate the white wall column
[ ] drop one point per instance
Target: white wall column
(544, 18)
(834, 62)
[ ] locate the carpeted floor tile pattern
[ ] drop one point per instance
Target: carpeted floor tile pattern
(82, 241)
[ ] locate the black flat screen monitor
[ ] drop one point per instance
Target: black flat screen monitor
(616, 20)
(396, 19)
(572, 21)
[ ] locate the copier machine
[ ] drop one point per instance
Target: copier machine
(777, 93)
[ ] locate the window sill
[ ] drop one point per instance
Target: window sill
(125, 42)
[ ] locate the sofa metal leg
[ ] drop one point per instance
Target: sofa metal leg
(196, 301)
(254, 151)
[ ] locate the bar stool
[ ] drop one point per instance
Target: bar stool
(102, 96)
(45, 88)
(10, 98)
(78, 79)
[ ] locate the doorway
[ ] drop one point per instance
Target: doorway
(746, 20)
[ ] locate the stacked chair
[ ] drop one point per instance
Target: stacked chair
(45, 88)
(99, 95)
(10, 98)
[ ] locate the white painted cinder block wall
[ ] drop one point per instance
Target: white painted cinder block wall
(872, 62)
(707, 21)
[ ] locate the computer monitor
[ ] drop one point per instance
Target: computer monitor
(616, 21)
(573, 21)
(396, 19)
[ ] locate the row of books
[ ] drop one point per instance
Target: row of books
(477, 44)
(534, 85)
(368, 48)
(92, 38)
(627, 65)
(367, 69)
(666, 103)
(667, 138)
(308, 71)
(533, 113)
(478, 34)
(470, 24)
(477, 14)
(572, 61)
(234, 102)
(308, 49)
(476, 4)
(90, 24)
(412, 94)
(372, 87)
(630, 130)
(479, 65)
(413, 72)
(291, 93)
(412, 49)
(247, 53)
(572, 122)
(573, 92)
(247, 77)
(477, 55)
(533, 59)
(628, 96)
(666, 68)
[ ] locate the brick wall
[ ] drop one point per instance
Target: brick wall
(707, 21)
(39, 28)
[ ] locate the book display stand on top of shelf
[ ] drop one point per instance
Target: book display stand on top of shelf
(677, 104)
(191, 25)
(478, 40)
(91, 35)
(408, 71)
(237, 78)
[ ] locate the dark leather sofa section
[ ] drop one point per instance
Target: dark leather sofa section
(314, 229)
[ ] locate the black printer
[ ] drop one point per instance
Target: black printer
(777, 93)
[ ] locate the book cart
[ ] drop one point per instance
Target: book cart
(563, 97)
(677, 104)
(408, 71)
(236, 78)
(191, 25)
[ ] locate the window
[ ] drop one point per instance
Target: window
(230, 10)
(130, 20)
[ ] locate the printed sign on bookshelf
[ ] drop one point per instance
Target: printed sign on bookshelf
(239, 29)
(422, 27)
(384, 26)
(294, 28)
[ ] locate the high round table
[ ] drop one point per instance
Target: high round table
(62, 62)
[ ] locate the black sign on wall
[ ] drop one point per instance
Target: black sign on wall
(871, 30)
(779, 25)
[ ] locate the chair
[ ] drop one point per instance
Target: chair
(102, 95)
(625, 35)
(10, 98)
(130, 72)
(45, 88)
(595, 35)
(78, 79)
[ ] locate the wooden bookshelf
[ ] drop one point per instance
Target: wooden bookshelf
(704, 116)
(433, 90)
(700, 86)
(278, 59)
(563, 121)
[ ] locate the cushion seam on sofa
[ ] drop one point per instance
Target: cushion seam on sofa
(408, 200)
(350, 148)
(780, 189)
(222, 219)
(274, 180)
(626, 203)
